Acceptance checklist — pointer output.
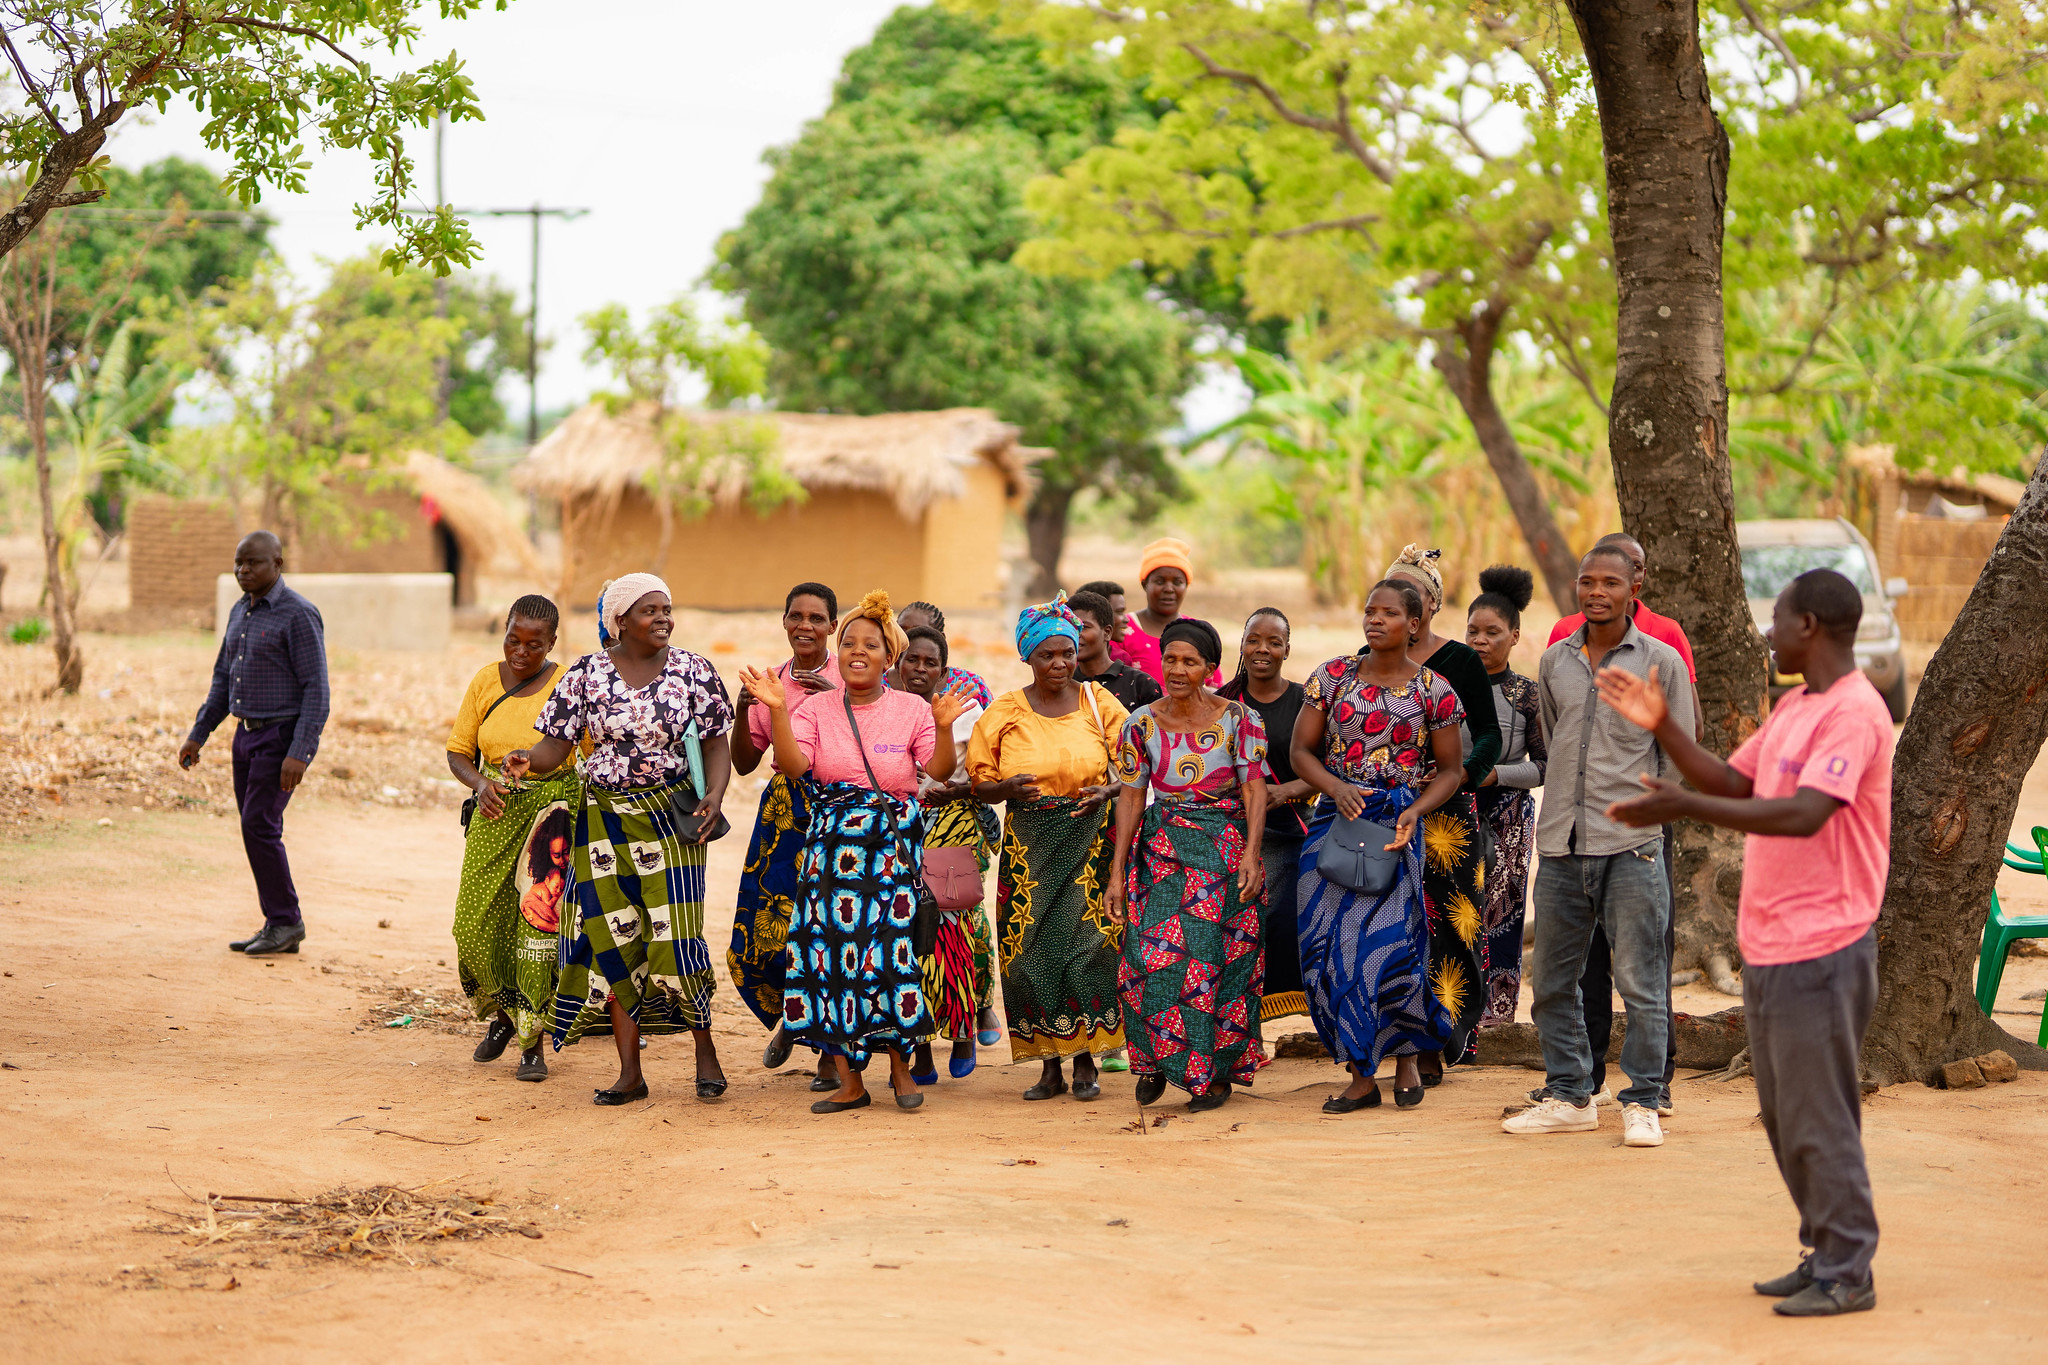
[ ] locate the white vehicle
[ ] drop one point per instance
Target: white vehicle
(1776, 552)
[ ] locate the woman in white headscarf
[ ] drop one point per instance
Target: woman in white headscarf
(637, 963)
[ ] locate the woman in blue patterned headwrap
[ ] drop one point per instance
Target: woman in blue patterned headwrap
(1044, 751)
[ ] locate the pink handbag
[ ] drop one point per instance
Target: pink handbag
(953, 877)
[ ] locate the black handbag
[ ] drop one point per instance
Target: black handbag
(1355, 856)
(924, 924)
(476, 756)
(689, 826)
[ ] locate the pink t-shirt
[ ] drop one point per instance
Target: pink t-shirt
(1806, 898)
(758, 716)
(1649, 623)
(896, 725)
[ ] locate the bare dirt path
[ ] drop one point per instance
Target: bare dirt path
(979, 1227)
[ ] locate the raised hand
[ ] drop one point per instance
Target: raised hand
(1639, 700)
(765, 687)
(947, 706)
(810, 681)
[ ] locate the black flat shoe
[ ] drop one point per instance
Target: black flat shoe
(1088, 1090)
(1045, 1090)
(1788, 1284)
(1216, 1096)
(496, 1037)
(780, 1045)
(1150, 1088)
(823, 1085)
(1341, 1104)
(617, 1097)
(841, 1106)
(534, 1068)
(709, 1089)
(1408, 1099)
(910, 1099)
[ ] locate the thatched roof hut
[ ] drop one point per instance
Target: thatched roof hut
(913, 502)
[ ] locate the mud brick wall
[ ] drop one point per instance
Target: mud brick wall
(176, 549)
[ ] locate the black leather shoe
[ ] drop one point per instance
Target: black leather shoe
(779, 1047)
(1090, 1089)
(1408, 1099)
(275, 938)
(1216, 1096)
(240, 944)
(1338, 1104)
(617, 1097)
(1788, 1284)
(533, 1068)
(1828, 1298)
(824, 1085)
(495, 1040)
(1151, 1087)
(841, 1106)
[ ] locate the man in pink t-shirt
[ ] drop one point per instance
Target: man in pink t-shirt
(1812, 790)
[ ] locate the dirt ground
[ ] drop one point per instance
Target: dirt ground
(979, 1226)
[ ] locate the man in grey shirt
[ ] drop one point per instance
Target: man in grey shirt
(1596, 873)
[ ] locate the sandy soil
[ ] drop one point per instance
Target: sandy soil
(142, 1061)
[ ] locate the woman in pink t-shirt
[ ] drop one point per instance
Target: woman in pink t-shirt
(855, 985)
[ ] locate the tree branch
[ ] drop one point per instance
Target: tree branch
(1771, 36)
(313, 34)
(1357, 222)
(1339, 127)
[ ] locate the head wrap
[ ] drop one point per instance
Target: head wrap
(617, 598)
(1200, 634)
(1419, 564)
(1165, 554)
(875, 607)
(1036, 625)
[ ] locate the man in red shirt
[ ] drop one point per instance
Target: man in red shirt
(1647, 621)
(1812, 789)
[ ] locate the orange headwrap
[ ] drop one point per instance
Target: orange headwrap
(1167, 553)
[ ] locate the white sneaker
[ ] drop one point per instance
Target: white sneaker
(1605, 1097)
(1542, 1093)
(1639, 1126)
(1554, 1115)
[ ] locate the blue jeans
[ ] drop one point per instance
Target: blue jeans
(1625, 894)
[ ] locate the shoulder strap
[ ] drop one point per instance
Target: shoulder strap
(1109, 751)
(858, 742)
(504, 697)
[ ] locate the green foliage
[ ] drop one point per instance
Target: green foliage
(878, 263)
(29, 632)
(264, 73)
(97, 413)
(344, 380)
(731, 361)
(720, 461)
(489, 339)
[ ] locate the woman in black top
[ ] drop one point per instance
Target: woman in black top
(1453, 850)
(1258, 684)
(1493, 626)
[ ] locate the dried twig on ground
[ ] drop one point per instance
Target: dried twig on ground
(372, 1224)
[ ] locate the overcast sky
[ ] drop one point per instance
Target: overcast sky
(652, 114)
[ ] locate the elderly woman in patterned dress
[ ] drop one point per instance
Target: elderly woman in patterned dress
(638, 963)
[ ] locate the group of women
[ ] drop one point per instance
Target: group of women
(1169, 876)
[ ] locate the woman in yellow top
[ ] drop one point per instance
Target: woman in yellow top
(515, 857)
(1044, 751)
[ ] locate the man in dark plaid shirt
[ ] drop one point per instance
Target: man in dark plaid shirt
(271, 675)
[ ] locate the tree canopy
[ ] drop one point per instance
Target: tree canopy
(878, 263)
(265, 73)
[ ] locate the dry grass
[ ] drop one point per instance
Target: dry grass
(356, 1225)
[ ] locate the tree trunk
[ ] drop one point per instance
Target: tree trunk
(70, 658)
(1470, 377)
(1045, 522)
(1955, 783)
(1667, 188)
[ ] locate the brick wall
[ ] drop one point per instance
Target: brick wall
(1941, 559)
(176, 549)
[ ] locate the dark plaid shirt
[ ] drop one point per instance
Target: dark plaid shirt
(272, 664)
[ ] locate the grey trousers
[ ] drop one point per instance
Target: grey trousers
(1806, 1024)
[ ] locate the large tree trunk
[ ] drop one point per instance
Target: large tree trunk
(1045, 523)
(70, 658)
(1955, 783)
(1470, 377)
(1667, 187)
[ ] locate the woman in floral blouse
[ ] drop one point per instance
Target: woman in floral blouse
(638, 963)
(1193, 959)
(1371, 723)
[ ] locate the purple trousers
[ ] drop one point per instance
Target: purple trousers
(259, 760)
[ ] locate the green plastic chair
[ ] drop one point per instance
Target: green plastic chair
(2001, 930)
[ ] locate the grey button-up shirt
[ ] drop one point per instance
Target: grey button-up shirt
(1596, 755)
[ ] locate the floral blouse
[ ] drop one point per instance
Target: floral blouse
(1213, 761)
(637, 733)
(1376, 736)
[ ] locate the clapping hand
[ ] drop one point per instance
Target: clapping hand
(1018, 788)
(1639, 700)
(765, 687)
(809, 680)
